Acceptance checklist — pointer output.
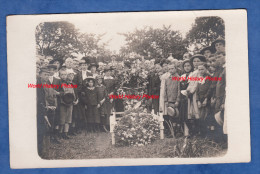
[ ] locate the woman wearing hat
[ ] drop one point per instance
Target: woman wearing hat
(93, 69)
(193, 112)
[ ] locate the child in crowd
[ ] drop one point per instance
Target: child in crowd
(172, 97)
(102, 96)
(91, 95)
(66, 105)
(203, 98)
(75, 116)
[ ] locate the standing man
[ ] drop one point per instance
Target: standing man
(43, 124)
(79, 109)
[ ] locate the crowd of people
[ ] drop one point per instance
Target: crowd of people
(81, 102)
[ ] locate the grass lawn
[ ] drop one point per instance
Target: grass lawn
(98, 145)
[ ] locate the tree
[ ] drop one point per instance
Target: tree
(154, 43)
(56, 39)
(204, 31)
(90, 44)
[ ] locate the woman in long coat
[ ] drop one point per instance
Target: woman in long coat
(193, 111)
(91, 95)
(183, 106)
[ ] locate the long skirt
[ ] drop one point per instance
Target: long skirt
(108, 112)
(92, 114)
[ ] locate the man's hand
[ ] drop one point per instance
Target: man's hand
(98, 106)
(199, 104)
(213, 100)
(47, 121)
(75, 102)
(204, 103)
(51, 108)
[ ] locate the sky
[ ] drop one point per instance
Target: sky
(114, 23)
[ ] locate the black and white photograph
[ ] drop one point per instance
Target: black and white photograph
(135, 85)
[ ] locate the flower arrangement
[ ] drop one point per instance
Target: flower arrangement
(136, 129)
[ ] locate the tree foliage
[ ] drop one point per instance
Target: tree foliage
(57, 39)
(204, 31)
(154, 43)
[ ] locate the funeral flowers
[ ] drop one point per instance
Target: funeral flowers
(136, 129)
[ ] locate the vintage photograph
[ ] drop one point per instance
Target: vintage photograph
(139, 87)
(128, 88)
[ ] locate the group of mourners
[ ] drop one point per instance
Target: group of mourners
(77, 98)
(192, 93)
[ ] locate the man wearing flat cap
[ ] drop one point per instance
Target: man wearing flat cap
(43, 124)
(207, 51)
(52, 102)
(218, 45)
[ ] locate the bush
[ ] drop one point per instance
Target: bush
(136, 129)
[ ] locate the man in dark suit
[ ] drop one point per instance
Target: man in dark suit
(79, 81)
(53, 101)
(43, 124)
